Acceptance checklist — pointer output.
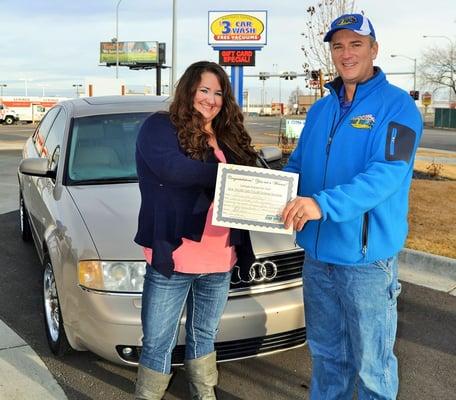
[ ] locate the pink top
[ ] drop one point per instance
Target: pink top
(212, 254)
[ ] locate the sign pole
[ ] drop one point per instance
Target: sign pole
(237, 77)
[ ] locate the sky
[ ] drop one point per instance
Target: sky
(49, 45)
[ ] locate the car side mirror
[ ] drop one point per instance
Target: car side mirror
(37, 167)
(271, 153)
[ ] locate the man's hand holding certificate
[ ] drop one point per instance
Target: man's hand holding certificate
(253, 198)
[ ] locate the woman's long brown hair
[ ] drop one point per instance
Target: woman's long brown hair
(228, 125)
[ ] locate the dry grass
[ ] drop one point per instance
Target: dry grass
(447, 170)
(432, 217)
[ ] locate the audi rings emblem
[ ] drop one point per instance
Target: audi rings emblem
(259, 272)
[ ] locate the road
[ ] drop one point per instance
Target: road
(265, 130)
(426, 344)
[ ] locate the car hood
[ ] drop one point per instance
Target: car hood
(110, 213)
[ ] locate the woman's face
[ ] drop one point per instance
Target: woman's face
(208, 98)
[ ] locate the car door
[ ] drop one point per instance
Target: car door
(47, 143)
(35, 149)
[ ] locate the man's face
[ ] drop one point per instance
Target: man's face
(353, 56)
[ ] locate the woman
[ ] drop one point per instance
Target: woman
(189, 259)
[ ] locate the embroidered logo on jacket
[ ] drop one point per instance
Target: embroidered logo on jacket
(363, 121)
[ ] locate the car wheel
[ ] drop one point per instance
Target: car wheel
(26, 232)
(9, 120)
(53, 321)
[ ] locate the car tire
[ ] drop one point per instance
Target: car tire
(53, 321)
(9, 120)
(24, 224)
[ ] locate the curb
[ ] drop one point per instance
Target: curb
(23, 374)
(429, 270)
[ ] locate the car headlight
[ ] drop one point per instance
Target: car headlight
(112, 276)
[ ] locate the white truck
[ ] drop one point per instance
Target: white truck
(30, 108)
(8, 116)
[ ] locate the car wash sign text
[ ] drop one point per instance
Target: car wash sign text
(242, 29)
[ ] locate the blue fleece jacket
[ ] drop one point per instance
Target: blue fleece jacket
(359, 169)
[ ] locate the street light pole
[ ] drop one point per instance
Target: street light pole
(2, 85)
(77, 86)
(414, 67)
(117, 39)
(25, 84)
(451, 60)
(174, 52)
(277, 72)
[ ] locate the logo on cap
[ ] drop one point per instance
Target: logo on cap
(346, 21)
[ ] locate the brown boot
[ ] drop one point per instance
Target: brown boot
(202, 376)
(150, 384)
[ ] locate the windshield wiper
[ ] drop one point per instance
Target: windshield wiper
(128, 179)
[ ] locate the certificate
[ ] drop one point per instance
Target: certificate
(253, 198)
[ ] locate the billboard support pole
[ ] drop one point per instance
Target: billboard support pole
(158, 81)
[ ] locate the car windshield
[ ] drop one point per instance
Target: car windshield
(102, 148)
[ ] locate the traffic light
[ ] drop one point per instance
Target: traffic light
(315, 75)
(415, 94)
(289, 75)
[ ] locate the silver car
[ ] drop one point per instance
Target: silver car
(79, 201)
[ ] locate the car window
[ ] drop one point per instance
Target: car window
(54, 139)
(39, 137)
(103, 148)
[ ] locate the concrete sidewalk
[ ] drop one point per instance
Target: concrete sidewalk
(24, 376)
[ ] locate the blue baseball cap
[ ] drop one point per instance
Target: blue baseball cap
(354, 22)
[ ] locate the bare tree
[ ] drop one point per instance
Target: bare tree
(438, 67)
(319, 18)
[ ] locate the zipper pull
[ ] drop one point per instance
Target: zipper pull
(328, 145)
(364, 250)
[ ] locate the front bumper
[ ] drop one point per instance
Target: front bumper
(252, 325)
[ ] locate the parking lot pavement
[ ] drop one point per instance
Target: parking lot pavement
(9, 160)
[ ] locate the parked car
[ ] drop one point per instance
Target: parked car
(79, 201)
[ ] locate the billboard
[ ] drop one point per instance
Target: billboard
(237, 28)
(237, 57)
(130, 53)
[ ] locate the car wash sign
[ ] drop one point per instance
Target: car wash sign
(237, 29)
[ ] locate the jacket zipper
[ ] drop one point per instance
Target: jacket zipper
(365, 233)
(328, 149)
(393, 141)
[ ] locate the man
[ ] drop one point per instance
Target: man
(355, 159)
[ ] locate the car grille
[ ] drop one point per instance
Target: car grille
(289, 267)
(237, 349)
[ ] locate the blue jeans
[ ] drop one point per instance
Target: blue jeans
(351, 320)
(163, 303)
